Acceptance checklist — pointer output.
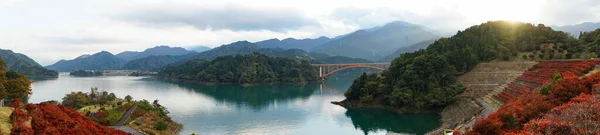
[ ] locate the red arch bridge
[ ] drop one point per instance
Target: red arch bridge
(328, 69)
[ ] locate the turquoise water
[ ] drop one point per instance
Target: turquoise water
(265, 109)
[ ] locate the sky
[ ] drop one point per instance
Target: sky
(51, 30)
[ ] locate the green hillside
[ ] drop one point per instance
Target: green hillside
(426, 78)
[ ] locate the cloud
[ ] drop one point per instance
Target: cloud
(442, 19)
(84, 40)
(229, 17)
(560, 12)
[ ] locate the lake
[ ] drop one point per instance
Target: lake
(265, 109)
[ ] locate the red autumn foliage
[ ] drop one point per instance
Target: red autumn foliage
(580, 116)
(520, 116)
(18, 115)
(541, 74)
(16, 103)
(51, 119)
(19, 128)
(127, 106)
(101, 114)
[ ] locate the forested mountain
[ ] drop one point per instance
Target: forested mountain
(25, 65)
(253, 68)
(411, 48)
(577, 29)
(245, 47)
(100, 61)
(158, 50)
(292, 43)
(376, 43)
(237, 48)
(199, 48)
(320, 58)
(426, 78)
(153, 62)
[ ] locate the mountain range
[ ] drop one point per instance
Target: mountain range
(411, 48)
(100, 61)
(158, 50)
(366, 45)
(378, 42)
(292, 43)
(576, 29)
(25, 65)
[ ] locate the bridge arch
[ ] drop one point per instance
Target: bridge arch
(329, 69)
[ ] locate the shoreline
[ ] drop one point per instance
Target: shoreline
(355, 104)
(229, 83)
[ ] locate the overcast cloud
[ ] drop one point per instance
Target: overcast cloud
(50, 30)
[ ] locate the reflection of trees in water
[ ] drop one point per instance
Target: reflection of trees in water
(369, 120)
(343, 79)
(256, 97)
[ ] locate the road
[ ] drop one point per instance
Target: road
(127, 115)
(486, 112)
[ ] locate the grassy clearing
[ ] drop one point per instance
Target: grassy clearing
(5, 124)
(93, 108)
(146, 124)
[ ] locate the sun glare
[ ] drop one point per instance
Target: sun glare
(511, 10)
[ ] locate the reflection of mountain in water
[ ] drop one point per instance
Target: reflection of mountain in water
(256, 97)
(369, 120)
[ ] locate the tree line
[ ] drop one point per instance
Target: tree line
(253, 68)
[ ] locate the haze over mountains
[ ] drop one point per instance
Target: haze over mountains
(376, 43)
(577, 28)
(291, 43)
(362, 46)
(381, 43)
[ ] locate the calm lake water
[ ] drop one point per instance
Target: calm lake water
(231, 109)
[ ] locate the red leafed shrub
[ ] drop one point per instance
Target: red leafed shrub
(20, 129)
(101, 114)
(18, 115)
(127, 106)
(580, 116)
(456, 132)
(514, 115)
(16, 103)
(51, 119)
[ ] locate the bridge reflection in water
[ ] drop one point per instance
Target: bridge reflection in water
(328, 69)
(324, 88)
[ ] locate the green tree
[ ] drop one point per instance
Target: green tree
(128, 98)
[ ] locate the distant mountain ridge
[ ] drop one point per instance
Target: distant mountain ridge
(576, 29)
(25, 65)
(199, 48)
(411, 48)
(378, 42)
(291, 43)
(100, 61)
(157, 51)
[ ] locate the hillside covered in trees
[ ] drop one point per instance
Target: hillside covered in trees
(25, 65)
(248, 69)
(13, 85)
(426, 78)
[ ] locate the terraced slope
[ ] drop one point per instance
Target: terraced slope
(541, 74)
(484, 79)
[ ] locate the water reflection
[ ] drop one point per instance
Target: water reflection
(232, 109)
(256, 97)
(375, 120)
